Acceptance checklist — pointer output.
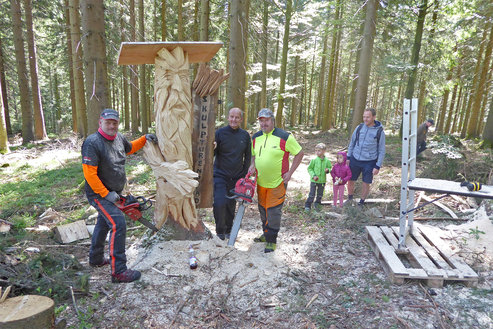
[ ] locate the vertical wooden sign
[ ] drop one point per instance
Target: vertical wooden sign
(203, 147)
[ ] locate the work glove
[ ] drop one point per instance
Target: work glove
(151, 138)
(112, 197)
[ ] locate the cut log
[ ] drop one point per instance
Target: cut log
(71, 232)
(30, 311)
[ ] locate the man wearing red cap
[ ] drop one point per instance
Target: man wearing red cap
(103, 164)
(271, 148)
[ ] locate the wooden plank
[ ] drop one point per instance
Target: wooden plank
(448, 187)
(389, 234)
(386, 251)
(136, 53)
(445, 251)
(431, 251)
(421, 258)
(367, 201)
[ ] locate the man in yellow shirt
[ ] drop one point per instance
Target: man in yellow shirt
(271, 148)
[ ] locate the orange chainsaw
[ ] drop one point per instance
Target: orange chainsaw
(133, 206)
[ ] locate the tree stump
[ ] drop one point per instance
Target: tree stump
(29, 311)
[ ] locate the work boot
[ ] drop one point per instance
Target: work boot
(221, 236)
(105, 261)
(260, 239)
(127, 276)
(270, 247)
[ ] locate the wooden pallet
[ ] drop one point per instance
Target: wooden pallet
(429, 258)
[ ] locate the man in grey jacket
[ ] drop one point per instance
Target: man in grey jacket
(366, 152)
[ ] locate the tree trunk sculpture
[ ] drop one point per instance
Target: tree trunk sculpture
(171, 159)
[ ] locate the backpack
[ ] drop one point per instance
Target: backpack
(379, 133)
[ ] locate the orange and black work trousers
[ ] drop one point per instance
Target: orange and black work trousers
(110, 219)
(270, 202)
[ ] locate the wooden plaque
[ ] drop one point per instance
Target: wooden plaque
(136, 53)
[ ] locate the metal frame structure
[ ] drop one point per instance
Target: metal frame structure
(408, 169)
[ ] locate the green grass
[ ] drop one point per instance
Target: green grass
(30, 191)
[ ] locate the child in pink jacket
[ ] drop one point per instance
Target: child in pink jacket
(341, 174)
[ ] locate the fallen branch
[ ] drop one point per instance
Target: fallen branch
(311, 300)
(434, 305)
(73, 301)
(179, 308)
(441, 206)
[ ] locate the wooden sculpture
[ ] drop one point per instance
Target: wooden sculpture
(171, 159)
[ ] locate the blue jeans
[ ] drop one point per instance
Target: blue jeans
(319, 189)
(110, 219)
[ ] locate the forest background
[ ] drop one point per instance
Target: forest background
(313, 62)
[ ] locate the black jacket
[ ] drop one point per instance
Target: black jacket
(233, 153)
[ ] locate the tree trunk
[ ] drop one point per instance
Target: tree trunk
(294, 99)
(284, 64)
(443, 107)
(237, 54)
(204, 20)
(180, 35)
(457, 111)
(488, 127)
(354, 78)
(448, 125)
(321, 82)
(4, 142)
(126, 105)
(475, 80)
(20, 55)
(265, 39)
(94, 43)
(142, 72)
(416, 48)
(80, 98)
(365, 63)
(3, 91)
(331, 77)
(163, 20)
(134, 81)
(70, 68)
(312, 77)
(478, 92)
(39, 121)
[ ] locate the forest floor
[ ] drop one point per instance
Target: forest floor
(323, 273)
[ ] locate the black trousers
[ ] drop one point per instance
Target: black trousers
(223, 208)
(317, 188)
(110, 219)
(420, 147)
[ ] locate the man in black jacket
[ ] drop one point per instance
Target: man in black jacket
(103, 164)
(232, 150)
(421, 135)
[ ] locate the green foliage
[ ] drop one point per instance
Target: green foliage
(475, 232)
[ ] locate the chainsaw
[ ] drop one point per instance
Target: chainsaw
(133, 206)
(243, 193)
